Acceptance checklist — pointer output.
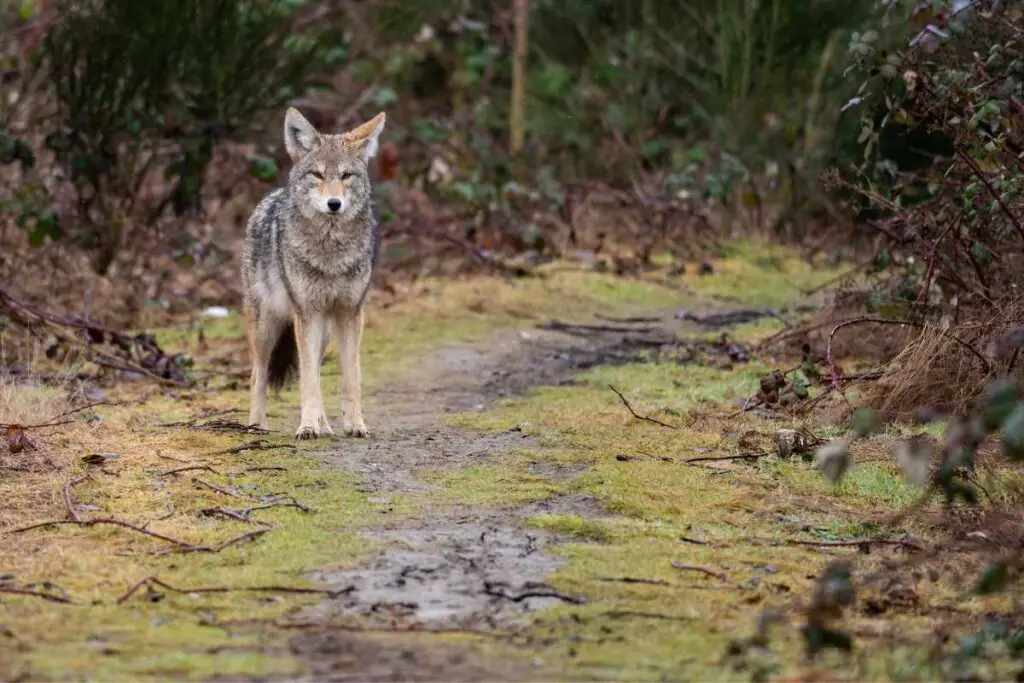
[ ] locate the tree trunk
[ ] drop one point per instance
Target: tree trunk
(517, 109)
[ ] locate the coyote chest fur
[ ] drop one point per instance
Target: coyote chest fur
(310, 251)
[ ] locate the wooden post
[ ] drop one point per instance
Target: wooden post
(517, 108)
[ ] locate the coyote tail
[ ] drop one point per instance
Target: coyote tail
(284, 359)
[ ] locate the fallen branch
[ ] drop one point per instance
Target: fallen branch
(728, 318)
(229, 426)
(636, 414)
(539, 591)
(561, 326)
(862, 543)
(629, 319)
(633, 579)
(203, 416)
(89, 406)
(105, 521)
(219, 489)
(171, 457)
(289, 503)
(65, 492)
(257, 445)
(231, 514)
(45, 595)
(695, 541)
(150, 581)
(189, 468)
(247, 536)
(25, 428)
(620, 614)
(744, 456)
(703, 570)
(213, 549)
(88, 335)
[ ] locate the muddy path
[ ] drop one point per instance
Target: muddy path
(452, 567)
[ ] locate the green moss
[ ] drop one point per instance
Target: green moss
(141, 638)
(499, 484)
(644, 618)
(572, 525)
(758, 274)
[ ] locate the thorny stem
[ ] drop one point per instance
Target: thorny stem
(837, 380)
(991, 190)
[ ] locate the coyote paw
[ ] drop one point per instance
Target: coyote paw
(305, 432)
(356, 429)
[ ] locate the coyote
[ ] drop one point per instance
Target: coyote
(310, 249)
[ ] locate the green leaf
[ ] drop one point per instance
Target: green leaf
(993, 579)
(999, 401)
(58, 142)
(864, 421)
(1013, 434)
(263, 169)
(817, 638)
(385, 95)
(47, 226)
(800, 388)
(26, 9)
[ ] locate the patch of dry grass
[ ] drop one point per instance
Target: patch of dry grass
(936, 370)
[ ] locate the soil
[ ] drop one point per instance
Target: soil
(451, 568)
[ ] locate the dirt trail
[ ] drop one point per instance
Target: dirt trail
(458, 567)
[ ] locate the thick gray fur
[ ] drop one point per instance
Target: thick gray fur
(310, 251)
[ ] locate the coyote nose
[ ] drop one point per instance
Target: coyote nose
(334, 204)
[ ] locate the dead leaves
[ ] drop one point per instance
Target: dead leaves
(17, 440)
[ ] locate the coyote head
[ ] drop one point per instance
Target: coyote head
(330, 176)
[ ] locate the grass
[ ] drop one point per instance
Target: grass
(677, 625)
(646, 619)
(96, 565)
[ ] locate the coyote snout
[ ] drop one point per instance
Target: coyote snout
(310, 250)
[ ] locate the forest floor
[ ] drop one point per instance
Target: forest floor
(509, 517)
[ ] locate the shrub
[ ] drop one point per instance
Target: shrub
(940, 179)
(146, 92)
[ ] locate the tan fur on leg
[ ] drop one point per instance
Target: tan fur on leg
(310, 329)
(262, 337)
(349, 330)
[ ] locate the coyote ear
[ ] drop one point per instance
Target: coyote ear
(300, 137)
(367, 136)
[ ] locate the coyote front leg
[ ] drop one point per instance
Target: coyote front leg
(349, 330)
(310, 331)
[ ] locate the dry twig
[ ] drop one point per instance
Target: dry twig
(638, 415)
(703, 570)
(65, 492)
(150, 581)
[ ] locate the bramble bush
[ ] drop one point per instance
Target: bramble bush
(940, 174)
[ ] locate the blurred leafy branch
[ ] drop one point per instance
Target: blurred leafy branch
(132, 100)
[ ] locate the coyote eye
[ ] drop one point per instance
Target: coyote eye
(317, 175)
(346, 175)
